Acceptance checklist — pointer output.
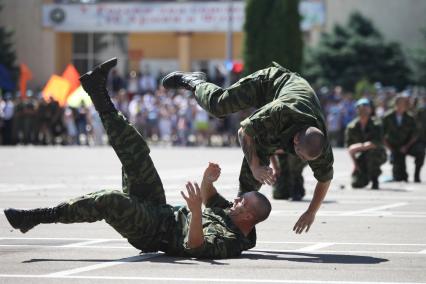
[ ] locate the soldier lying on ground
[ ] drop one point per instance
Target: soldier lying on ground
(288, 119)
(140, 213)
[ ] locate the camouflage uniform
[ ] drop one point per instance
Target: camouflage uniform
(290, 181)
(399, 135)
(285, 104)
(369, 161)
(140, 213)
(421, 123)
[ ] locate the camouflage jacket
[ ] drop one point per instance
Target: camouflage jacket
(294, 106)
(421, 123)
(398, 135)
(222, 239)
(372, 132)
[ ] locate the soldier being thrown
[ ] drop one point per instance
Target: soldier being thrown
(288, 119)
(140, 213)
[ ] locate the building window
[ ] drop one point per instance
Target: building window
(90, 49)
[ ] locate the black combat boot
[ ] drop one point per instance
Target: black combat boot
(186, 80)
(375, 183)
(25, 220)
(417, 174)
(94, 83)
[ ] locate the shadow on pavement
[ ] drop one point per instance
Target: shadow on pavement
(312, 257)
(252, 255)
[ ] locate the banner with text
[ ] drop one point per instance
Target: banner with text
(161, 17)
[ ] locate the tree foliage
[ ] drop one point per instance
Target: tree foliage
(419, 57)
(7, 52)
(272, 33)
(355, 52)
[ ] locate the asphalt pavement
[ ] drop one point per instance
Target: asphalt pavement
(359, 236)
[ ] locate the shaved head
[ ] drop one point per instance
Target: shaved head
(309, 143)
(260, 207)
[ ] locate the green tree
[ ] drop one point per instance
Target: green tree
(355, 52)
(7, 53)
(419, 57)
(272, 33)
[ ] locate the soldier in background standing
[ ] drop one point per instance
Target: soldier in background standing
(401, 138)
(363, 137)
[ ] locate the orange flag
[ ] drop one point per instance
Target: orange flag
(24, 76)
(58, 88)
(71, 74)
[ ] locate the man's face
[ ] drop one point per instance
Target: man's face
(401, 105)
(364, 110)
(242, 205)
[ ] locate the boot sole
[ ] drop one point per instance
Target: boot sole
(202, 74)
(103, 68)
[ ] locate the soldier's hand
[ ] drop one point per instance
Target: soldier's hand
(193, 200)
(212, 172)
(305, 221)
(264, 174)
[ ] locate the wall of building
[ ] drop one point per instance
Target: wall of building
(46, 51)
(34, 45)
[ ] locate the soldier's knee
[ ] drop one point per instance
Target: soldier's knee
(109, 199)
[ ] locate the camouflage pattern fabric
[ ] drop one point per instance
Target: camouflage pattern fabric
(370, 161)
(399, 135)
(290, 182)
(285, 104)
(222, 239)
(140, 213)
(420, 118)
(399, 168)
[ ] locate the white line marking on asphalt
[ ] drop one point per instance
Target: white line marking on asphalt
(373, 209)
(103, 265)
(62, 239)
(315, 247)
(66, 247)
(344, 243)
(201, 280)
(259, 242)
(336, 251)
(257, 249)
(422, 252)
(5, 188)
(85, 243)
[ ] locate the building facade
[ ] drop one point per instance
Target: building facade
(159, 36)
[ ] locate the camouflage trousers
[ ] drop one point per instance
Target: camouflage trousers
(368, 163)
(139, 213)
(253, 91)
(399, 168)
(290, 182)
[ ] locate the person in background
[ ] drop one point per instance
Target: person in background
(363, 138)
(402, 139)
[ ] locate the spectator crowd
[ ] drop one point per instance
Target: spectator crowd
(163, 116)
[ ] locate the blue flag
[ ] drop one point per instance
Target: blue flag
(6, 81)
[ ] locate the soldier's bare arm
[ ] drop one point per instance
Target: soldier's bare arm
(263, 174)
(193, 200)
(305, 221)
(275, 166)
